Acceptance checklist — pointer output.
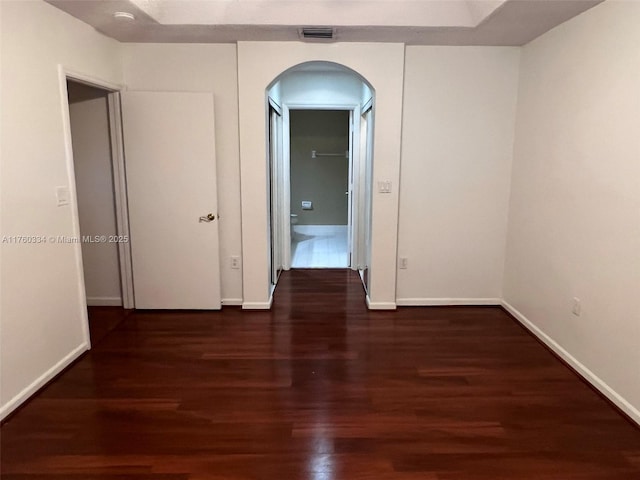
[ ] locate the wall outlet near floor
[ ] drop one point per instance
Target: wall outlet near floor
(576, 309)
(235, 262)
(403, 263)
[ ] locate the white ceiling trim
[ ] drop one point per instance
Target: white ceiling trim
(398, 13)
(479, 22)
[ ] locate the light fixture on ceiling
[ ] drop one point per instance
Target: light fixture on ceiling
(126, 16)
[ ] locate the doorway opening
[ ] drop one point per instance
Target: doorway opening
(97, 172)
(320, 167)
(320, 164)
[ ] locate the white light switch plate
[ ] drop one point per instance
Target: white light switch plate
(384, 187)
(63, 196)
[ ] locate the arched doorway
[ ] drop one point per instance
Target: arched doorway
(320, 173)
(260, 65)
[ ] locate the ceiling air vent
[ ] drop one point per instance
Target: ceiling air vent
(317, 33)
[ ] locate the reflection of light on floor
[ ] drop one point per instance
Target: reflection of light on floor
(321, 467)
(321, 464)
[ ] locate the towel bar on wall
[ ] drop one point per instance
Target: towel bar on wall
(316, 154)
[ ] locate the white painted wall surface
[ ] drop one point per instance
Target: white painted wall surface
(457, 142)
(258, 65)
(574, 224)
(42, 312)
(202, 68)
(96, 204)
(321, 88)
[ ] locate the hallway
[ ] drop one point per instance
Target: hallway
(319, 388)
(320, 246)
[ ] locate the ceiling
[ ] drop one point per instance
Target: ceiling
(414, 22)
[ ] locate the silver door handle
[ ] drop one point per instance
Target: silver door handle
(207, 218)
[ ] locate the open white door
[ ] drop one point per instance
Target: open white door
(171, 182)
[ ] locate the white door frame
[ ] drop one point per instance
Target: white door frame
(354, 183)
(119, 179)
(365, 174)
(121, 198)
(275, 188)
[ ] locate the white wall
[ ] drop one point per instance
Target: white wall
(457, 140)
(321, 88)
(574, 223)
(43, 318)
(202, 68)
(258, 65)
(96, 204)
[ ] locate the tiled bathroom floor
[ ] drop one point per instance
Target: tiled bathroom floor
(320, 246)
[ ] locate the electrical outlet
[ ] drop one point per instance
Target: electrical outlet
(384, 186)
(235, 262)
(404, 263)
(576, 309)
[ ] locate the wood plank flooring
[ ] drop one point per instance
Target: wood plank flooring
(319, 388)
(102, 320)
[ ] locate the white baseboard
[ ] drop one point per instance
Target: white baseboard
(587, 374)
(236, 302)
(380, 305)
(41, 381)
(433, 302)
(319, 229)
(257, 305)
(104, 301)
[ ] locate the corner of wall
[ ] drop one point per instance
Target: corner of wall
(598, 383)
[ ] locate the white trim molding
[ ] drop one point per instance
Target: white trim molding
(233, 302)
(434, 302)
(104, 302)
(275, 105)
(380, 305)
(63, 75)
(120, 197)
(258, 305)
(41, 381)
(617, 399)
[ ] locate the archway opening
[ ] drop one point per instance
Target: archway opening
(319, 118)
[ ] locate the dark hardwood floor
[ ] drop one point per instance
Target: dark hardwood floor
(102, 320)
(319, 388)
